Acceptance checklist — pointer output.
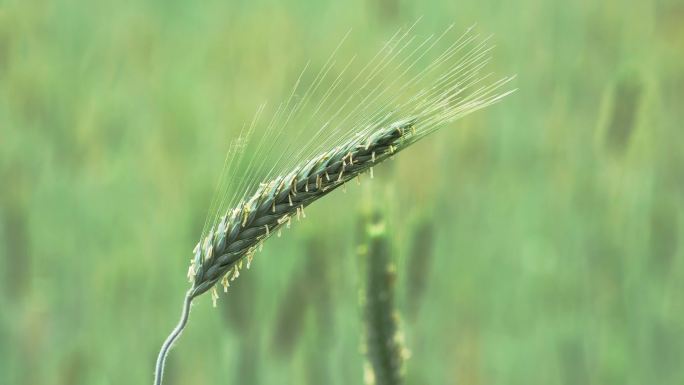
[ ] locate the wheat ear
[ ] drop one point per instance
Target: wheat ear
(240, 232)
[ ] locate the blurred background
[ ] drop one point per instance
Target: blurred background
(535, 242)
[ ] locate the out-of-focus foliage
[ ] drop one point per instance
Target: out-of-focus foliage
(555, 218)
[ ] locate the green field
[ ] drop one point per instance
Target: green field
(540, 241)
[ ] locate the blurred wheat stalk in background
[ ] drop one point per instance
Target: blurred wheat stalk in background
(384, 342)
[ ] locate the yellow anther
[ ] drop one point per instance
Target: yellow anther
(339, 178)
(191, 271)
(245, 216)
(225, 283)
(214, 296)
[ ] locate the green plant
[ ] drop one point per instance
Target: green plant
(262, 209)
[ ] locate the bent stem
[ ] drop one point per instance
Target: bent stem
(166, 347)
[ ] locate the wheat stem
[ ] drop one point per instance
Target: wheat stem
(166, 347)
